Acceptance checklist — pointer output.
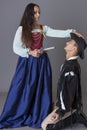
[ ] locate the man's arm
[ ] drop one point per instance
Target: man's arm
(67, 94)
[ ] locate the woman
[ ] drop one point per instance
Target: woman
(30, 96)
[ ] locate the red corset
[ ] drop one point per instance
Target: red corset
(37, 40)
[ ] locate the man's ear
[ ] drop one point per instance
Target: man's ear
(76, 49)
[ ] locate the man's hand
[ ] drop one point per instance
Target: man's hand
(54, 117)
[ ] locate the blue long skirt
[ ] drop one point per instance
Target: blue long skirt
(29, 99)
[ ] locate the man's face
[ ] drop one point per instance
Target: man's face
(70, 45)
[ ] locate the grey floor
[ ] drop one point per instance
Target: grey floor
(2, 101)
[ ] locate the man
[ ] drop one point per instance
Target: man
(69, 105)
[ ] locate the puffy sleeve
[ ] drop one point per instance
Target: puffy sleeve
(57, 33)
(18, 46)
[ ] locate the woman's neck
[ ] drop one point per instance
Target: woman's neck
(36, 26)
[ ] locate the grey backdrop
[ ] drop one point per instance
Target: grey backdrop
(59, 14)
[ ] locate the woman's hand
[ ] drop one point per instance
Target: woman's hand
(35, 53)
(79, 35)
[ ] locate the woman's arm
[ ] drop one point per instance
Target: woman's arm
(18, 46)
(57, 33)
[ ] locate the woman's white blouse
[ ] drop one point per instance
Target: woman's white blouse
(19, 47)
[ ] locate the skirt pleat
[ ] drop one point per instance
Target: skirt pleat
(29, 98)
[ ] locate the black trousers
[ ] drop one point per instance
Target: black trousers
(76, 117)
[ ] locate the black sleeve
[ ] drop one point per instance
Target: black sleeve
(69, 85)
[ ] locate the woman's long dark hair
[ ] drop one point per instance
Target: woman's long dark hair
(27, 24)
